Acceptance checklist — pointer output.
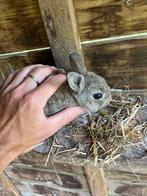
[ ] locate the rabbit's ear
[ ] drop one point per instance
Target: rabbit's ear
(76, 62)
(76, 81)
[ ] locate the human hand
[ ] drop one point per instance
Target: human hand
(22, 120)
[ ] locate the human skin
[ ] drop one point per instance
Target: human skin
(22, 120)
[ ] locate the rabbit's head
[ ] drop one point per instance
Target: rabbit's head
(89, 89)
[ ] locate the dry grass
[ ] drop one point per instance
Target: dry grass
(116, 127)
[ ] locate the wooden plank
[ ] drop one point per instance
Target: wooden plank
(42, 190)
(120, 178)
(121, 182)
(11, 63)
(96, 180)
(67, 180)
(109, 18)
(60, 22)
(35, 160)
(30, 175)
(44, 182)
(6, 186)
(123, 64)
(21, 26)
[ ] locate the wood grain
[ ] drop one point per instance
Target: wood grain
(45, 182)
(60, 22)
(42, 190)
(33, 159)
(96, 180)
(29, 175)
(121, 180)
(67, 180)
(107, 18)
(6, 186)
(21, 26)
(123, 64)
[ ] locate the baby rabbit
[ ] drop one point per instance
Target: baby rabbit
(82, 88)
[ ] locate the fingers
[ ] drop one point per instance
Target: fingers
(41, 73)
(47, 89)
(19, 77)
(9, 79)
(59, 120)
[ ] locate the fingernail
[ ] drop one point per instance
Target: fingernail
(61, 77)
(82, 110)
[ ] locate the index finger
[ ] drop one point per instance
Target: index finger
(48, 88)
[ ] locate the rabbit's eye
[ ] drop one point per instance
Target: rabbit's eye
(97, 95)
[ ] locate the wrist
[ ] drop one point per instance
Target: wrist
(8, 152)
(7, 155)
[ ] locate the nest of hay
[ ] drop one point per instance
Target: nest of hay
(120, 125)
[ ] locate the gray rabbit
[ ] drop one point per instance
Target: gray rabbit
(82, 88)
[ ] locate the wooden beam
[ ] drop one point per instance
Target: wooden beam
(60, 22)
(96, 180)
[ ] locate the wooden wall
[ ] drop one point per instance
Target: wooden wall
(21, 26)
(114, 40)
(113, 36)
(106, 18)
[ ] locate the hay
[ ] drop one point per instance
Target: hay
(116, 128)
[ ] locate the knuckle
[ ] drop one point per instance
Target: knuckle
(36, 69)
(42, 70)
(51, 67)
(35, 65)
(14, 95)
(29, 100)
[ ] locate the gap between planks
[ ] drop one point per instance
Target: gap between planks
(90, 42)
(19, 53)
(116, 39)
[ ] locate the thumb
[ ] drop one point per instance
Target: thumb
(59, 120)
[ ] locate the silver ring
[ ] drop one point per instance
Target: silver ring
(34, 79)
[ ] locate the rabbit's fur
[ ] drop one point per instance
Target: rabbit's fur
(79, 90)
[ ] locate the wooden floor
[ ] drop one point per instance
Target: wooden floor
(31, 178)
